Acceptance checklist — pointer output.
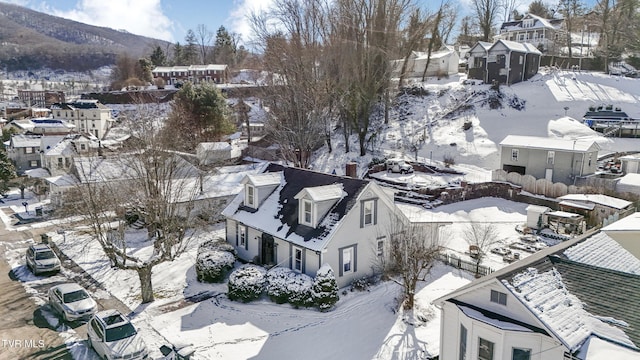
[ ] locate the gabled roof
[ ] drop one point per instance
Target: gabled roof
(578, 288)
(627, 223)
(20, 140)
(322, 193)
(598, 199)
(539, 23)
(534, 142)
(481, 45)
(278, 213)
(214, 146)
(264, 179)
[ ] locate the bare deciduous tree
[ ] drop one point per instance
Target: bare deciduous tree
(486, 12)
(147, 180)
(480, 237)
(204, 37)
(413, 249)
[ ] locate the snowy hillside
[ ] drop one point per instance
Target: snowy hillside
(552, 103)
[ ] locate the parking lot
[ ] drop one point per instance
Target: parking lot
(29, 328)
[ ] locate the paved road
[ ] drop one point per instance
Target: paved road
(28, 327)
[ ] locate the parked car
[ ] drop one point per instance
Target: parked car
(398, 166)
(112, 336)
(40, 259)
(72, 301)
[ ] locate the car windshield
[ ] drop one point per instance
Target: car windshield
(120, 332)
(47, 254)
(75, 296)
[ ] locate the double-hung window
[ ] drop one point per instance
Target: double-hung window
(307, 212)
(514, 154)
(485, 349)
(347, 260)
(297, 259)
(551, 156)
(251, 194)
(242, 236)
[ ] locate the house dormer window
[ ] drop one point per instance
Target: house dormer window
(250, 199)
(307, 213)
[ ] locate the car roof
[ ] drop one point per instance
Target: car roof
(40, 247)
(112, 318)
(69, 287)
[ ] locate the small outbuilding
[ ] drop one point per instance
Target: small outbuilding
(535, 216)
(210, 153)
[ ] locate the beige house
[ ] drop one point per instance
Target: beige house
(89, 116)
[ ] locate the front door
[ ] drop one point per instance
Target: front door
(267, 257)
(548, 174)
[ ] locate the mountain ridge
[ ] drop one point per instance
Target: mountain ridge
(33, 40)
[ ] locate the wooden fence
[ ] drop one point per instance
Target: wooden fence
(465, 265)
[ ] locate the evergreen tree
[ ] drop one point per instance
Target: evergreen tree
(190, 50)
(325, 288)
(7, 172)
(224, 47)
(178, 54)
(158, 57)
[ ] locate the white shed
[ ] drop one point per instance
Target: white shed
(213, 152)
(534, 212)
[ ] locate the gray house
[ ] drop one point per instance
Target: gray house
(24, 152)
(556, 160)
(506, 62)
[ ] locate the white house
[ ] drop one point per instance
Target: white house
(444, 62)
(211, 153)
(626, 232)
(88, 116)
(630, 164)
(301, 219)
(569, 301)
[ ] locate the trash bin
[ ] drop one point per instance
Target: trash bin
(44, 238)
(39, 211)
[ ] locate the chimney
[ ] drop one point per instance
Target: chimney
(352, 170)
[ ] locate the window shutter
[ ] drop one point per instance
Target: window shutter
(246, 238)
(237, 233)
(291, 256)
(304, 260)
(355, 258)
(375, 211)
(361, 215)
(340, 263)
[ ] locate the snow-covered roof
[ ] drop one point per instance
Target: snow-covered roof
(598, 199)
(511, 45)
(535, 142)
(550, 293)
(578, 288)
(564, 214)
(602, 251)
(538, 23)
(577, 205)
(264, 179)
(322, 193)
(629, 183)
(37, 173)
(160, 69)
(537, 208)
(63, 180)
(630, 157)
(214, 146)
(278, 213)
(598, 349)
(20, 140)
(627, 223)
(24, 124)
(62, 148)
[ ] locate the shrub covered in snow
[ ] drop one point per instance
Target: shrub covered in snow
(277, 279)
(325, 288)
(215, 258)
(299, 289)
(246, 283)
(285, 285)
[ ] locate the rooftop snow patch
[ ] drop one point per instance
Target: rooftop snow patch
(602, 251)
(323, 193)
(598, 199)
(535, 142)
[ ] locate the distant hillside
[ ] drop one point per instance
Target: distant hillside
(34, 40)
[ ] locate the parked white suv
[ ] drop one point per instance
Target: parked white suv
(398, 166)
(40, 258)
(112, 336)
